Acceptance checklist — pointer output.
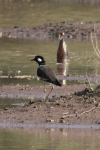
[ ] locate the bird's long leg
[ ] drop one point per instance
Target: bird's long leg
(50, 90)
(44, 91)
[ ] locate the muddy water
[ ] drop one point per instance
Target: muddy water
(49, 138)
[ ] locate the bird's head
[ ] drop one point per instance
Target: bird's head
(39, 60)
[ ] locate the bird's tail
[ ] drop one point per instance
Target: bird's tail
(58, 83)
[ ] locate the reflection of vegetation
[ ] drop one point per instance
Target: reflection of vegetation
(35, 138)
(83, 59)
(25, 13)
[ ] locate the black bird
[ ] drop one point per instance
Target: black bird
(45, 73)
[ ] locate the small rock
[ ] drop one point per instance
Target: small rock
(49, 120)
(61, 120)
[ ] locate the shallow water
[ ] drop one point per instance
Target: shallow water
(16, 55)
(12, 102)
(49, 138)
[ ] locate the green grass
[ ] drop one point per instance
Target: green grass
(28, 14)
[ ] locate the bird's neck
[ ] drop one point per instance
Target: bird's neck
(42, 63)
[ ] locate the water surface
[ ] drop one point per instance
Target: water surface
(49, 138)
(16, 55)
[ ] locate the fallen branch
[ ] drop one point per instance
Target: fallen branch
(74, 115)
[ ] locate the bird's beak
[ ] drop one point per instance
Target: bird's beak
(32, 60)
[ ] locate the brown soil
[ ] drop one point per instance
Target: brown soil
(72, 30)
(81, 107)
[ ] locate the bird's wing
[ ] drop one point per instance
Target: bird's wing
(46, 74)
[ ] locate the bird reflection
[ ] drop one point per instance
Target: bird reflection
(62, 58)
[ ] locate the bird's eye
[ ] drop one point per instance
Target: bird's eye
(39, 59)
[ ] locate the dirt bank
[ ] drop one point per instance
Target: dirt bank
(72, 30)
(82, 105)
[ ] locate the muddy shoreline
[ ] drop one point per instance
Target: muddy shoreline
(69, 105)
(73, 31)
(75, 105)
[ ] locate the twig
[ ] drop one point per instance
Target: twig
(96, 49)
(89, 82)
(94, 46)
(74, 115)
(96, 42)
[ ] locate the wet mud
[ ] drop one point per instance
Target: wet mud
(68, 105)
